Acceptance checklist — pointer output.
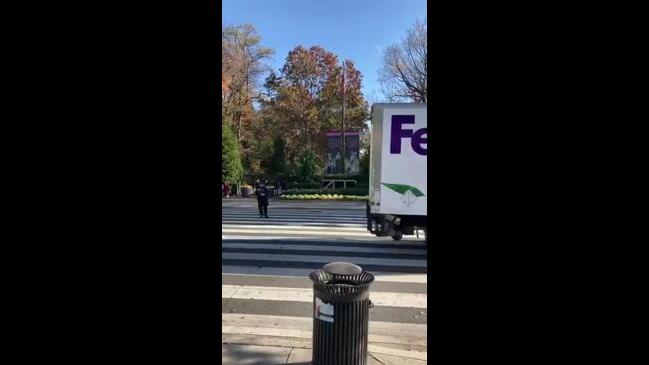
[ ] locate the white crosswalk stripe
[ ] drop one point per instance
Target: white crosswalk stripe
(267, 296)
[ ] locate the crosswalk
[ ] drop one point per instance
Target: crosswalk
(267, 296)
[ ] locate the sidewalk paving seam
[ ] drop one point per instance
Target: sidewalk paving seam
(235, 292)
(247, 344)
(374, 357)
(289, 355)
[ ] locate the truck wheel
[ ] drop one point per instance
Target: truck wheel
(397, 236)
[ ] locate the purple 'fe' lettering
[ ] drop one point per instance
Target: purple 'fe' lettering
(398, 133)
(420, 144)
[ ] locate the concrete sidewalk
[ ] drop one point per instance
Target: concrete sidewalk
(275, 355)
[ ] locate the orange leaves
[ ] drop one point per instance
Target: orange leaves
(225, 85)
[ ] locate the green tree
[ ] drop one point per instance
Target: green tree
(364, 163)
(308, 167)
(232, 169)
(278, 159)
(364, 166)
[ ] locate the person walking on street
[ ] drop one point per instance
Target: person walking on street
(262, 199)
(226, 189)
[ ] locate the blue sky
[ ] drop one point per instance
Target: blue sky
(353, 29)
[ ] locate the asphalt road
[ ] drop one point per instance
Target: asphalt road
(266, 262)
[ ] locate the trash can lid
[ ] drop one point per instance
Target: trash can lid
(342, 268)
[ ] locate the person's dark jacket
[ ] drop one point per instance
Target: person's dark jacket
(262, 194)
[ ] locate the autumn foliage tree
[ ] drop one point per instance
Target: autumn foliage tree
(243, 66)
(276, 122)
(305, 100)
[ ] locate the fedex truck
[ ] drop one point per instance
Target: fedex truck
(398, 189)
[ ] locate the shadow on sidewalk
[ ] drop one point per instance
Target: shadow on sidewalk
(258, 355)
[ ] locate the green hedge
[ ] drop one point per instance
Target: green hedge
(348, 191)
(324, 197)
(346, 177)
(297, 185)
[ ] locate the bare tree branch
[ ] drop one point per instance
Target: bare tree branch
(405, 66)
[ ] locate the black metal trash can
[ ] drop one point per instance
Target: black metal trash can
(340, 314)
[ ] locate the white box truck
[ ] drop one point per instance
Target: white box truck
(398, 189)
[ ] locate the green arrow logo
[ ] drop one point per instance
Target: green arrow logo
(402, 189)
